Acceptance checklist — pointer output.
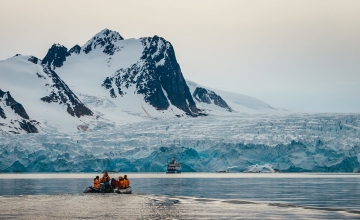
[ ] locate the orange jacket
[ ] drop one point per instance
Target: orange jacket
(126, 183)
(122, 183)
(96, 183)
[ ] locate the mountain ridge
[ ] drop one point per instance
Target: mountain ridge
(108, 80)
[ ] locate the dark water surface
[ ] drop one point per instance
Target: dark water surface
(333, 193)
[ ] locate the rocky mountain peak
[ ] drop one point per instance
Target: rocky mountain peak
(105, 39)
(75, 49)
(55, 56)
(109, 34)
(157, 76)
(210, 97)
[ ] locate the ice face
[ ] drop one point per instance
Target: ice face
(253, 143)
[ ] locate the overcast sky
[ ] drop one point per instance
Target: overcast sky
(292, 54)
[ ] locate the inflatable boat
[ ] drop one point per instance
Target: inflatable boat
(108, 189)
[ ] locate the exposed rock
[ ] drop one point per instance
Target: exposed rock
(168, 70)
(157, 76)
(28, 127)
(56, 56)
(40, 76)
(208, 96)
(14, 105)
(63, 95)
(34, 60)
(75, 49)
(2, 113)
(105, 39)
(22, 122)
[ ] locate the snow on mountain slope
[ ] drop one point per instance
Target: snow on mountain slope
(220, 102)
(139, 77)
(13, 117)
(120, 80)
(44, 96)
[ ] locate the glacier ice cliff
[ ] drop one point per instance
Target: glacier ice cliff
(287, 143)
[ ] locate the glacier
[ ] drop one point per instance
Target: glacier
(283, 142)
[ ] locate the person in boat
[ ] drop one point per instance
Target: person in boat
(105, 179)
(115, 183)
(96, 182)
(121, 182)
(126, 181)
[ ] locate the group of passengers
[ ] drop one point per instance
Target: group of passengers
(121, 183)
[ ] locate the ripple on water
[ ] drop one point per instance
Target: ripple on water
(138, 206)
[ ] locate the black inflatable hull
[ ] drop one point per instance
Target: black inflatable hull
(110, 190)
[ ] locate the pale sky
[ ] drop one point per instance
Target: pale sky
(293, 54)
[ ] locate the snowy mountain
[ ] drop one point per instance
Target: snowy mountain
(111, 80)
(42, 94)
(219, 102)
(138, 111)
(138, 76)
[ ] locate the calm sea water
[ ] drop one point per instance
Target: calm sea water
(332, 191)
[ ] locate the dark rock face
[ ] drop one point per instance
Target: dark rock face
(75, 49)
(63, 95)
(2, 113)
(28, 127)
(88, 48)
(33, 59)
(169, 73)
(25, 123)
(157, 76)
(14, 105)
(104, 39)
(205, 95)
(56, 56)
(40, 76)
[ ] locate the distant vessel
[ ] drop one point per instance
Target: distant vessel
(174, 166)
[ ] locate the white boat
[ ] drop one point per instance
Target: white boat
(173, 166)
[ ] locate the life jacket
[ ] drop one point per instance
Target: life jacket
(122, 183)
(126, 183)
(96, 183)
